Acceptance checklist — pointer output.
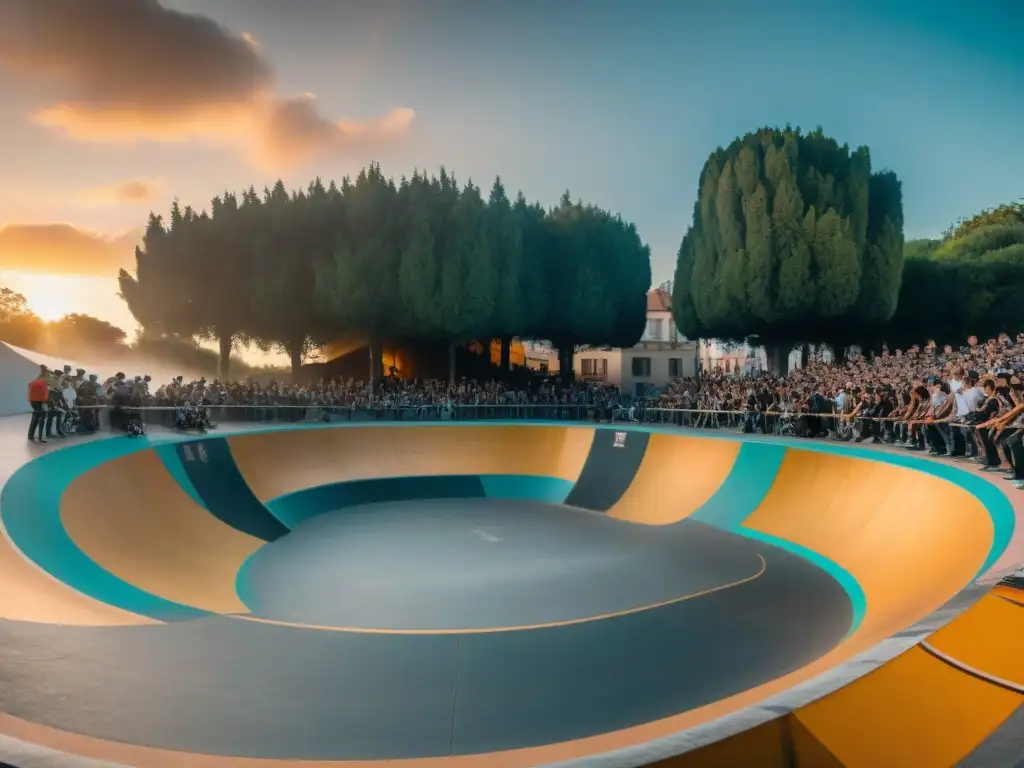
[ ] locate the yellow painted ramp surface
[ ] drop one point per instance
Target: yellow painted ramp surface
(886, 525)
(1013, 594)
(132, 518)
(914, 711)
(276, 463)
(989, 638)
(760, 747)
(677, 476)
(27, 593)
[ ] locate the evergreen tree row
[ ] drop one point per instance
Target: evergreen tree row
(422, 259)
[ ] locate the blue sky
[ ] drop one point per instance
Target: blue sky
(620, 102)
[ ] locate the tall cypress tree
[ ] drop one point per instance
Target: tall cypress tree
(793, 239)
(419, 275)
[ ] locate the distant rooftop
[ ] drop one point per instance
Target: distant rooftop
(659, 300)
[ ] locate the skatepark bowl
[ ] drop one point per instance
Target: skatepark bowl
(498, 594)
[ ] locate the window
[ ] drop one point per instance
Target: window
(654, 328)
(591, 367)
(675, 367)
(587, 366)
(642, 366)
(673, 334)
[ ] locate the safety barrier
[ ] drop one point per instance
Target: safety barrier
(770, 421)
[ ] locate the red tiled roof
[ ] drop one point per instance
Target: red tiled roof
(659, 300)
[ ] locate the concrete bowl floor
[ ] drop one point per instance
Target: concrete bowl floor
(466, 564)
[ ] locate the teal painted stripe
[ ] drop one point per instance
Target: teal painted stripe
(850, 585)
(294, 508)
(168, 454)
(243, 585)
(30, 509)
(749, 481)
(745, 487)
(553, 490)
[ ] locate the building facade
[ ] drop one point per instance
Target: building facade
(660, 356)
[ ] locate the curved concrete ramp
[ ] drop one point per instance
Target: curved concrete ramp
(675, 579)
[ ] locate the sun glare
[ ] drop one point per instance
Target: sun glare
(53, 296)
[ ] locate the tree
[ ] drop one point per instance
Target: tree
(970, 283)
(793, 239)
(293, 232)
(161, 293)
(598, 272)
(506, 247)
(75, 331)
(1008, 213)
(19, 325)
(218, 247)
(475, 263)
(356, 284)
(419, 272)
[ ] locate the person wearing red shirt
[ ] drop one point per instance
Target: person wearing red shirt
(38, 396)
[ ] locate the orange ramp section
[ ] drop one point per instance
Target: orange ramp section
(677, 476)
(277, 463)
(914, 711)
(133, 519)
(911, 540)
(30, 594)
(1013, 594)
(759, 747)
(988, 638)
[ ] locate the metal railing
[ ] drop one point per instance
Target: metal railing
(778, 422)
(166, 415)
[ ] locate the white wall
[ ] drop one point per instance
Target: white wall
(614, 358)
(15, 374)
(668, 327)
(659, 376)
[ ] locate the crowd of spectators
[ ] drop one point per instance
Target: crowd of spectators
(964, 402)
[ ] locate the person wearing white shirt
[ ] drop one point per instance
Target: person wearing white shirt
(968, 399)
(69, 392)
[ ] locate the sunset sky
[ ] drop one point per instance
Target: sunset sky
(114, 107)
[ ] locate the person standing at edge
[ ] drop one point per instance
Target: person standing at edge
(38, 396)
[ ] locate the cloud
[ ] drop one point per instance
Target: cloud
(133, 70)
(294, 132)
(134, 192)
(65, 249)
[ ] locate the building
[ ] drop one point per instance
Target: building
(717, 357)
(660, 356)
